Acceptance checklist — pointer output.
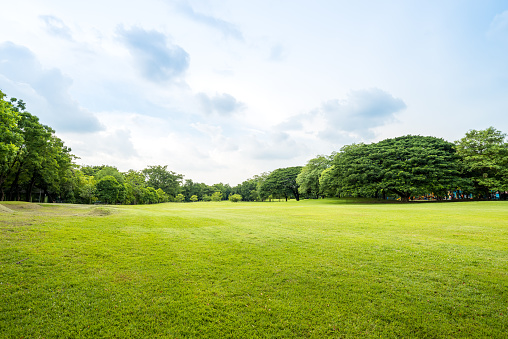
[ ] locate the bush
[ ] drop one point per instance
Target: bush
(217, 196)
(235, 198)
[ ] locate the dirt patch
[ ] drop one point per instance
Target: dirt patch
(4, 209)
(21, 206)
(100, 211)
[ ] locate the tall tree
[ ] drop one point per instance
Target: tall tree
(134, 185)
(308, 179)
(406, 166)
(282, 183)
(159, 177)
(108, 189)
(484, 156)
(109, 170)
(11, 139)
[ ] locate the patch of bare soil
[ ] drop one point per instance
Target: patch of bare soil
(21, 206)
(4, 209)
(100, 211)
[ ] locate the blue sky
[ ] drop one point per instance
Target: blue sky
(223, 90)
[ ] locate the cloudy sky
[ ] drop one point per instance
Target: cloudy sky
(223, 90)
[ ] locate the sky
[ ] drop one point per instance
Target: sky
(220, 91)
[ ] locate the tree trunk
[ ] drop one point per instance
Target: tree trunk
(30, 188)
(14, 191)
(404, 198)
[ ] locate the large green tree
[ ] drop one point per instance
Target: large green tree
(160, 177)
(108, 189)
(406, 166)
(308, 179)
(41, 160)
(282, 183)
(484, 155)
(11, 139)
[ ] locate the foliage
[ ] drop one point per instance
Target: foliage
(191, 188)
(159, 177)
(308, 179)
(111, 171)
(328, 185)
(150, 195)
(108, 189)
(86, 187)
(484, 157)
(235, 198)
(216, 196)
(135, 186)
(250, 189)
(224, 189)
(180, 197)
(11, 139)
(162, 196)
(194, 198)
(406, 166)
(282, 183)
(40, 158)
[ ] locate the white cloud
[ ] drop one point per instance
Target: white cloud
(222, 104)
(56, 27)
(21, 72)
(158, 59)
(226, 28)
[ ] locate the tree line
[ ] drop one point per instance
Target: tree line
(35, 165)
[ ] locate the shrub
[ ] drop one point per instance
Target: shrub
(235, 198)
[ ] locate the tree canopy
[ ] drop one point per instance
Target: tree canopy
(406, 166)
(484, 157)
(282, 183)
(308, 179)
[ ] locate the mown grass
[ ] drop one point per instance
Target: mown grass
(308, 269)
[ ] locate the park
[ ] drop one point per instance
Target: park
(341, 268)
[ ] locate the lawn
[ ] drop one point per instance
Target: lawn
(308, 269)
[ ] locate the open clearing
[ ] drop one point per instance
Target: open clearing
(308, 269)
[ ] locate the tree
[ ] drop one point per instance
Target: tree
(112, 171)
(86, 187)
(224, 189)
(134, 186)
(159, 177)
(180, 197)
(194, 198)
(308, 179)
(406, 166)
(327, 183)
(11, 139)
(107, 189)
(41, 161)
(282, 183)
(484, 156)
(191, 188)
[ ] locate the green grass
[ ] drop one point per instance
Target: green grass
(309, 269)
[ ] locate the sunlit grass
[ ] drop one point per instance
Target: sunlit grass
(298, 269)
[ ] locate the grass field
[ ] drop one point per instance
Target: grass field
(308, 269)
